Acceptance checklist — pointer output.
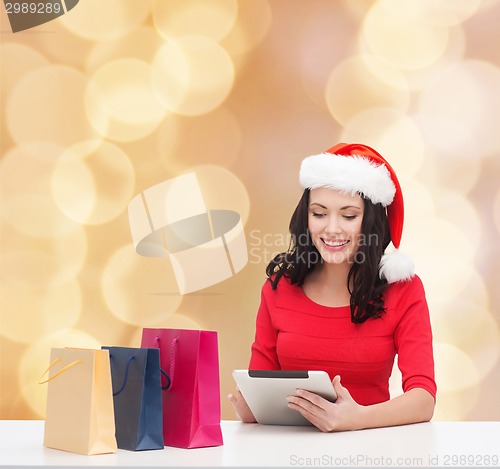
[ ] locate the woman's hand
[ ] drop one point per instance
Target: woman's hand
(343, 414)
(241, 408)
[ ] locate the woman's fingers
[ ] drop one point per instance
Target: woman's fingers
(241, 407)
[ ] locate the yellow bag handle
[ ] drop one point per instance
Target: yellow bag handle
(59, 372)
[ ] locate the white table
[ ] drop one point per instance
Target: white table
(435, 444)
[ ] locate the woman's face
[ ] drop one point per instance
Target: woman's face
(334, 221)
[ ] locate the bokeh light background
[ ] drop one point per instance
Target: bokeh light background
(117, 96)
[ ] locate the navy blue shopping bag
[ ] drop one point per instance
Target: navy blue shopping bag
(137, 397)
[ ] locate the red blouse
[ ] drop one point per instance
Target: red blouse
(294, 333)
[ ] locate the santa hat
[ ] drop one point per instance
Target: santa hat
(360, 169)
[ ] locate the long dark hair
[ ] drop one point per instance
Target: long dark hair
(363, 280)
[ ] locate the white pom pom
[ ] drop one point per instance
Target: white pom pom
(396, 267)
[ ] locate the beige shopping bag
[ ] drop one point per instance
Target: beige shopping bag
(80, 413)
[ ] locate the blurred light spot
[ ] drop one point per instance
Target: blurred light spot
(440, 272)
(393, 134)
(474, 289)
(419, 78)
(36, 359)
(362, 82)
(139, 290)
(441, 238)
(454, 369)
(30, 312)
(30, 268)
(278, 154)
(460, 111)
(210, 18)
(192, 75)
(473, 329)
(357, 9)
(57, 44)
(34, 215)
(443, 254)
(442, 13)
(482, 343)
(455, 51)
(103, 21)
(222, 190)
(168, 140)
(417, 46)
(178, 149)
(454, 406)
(27, 203)
(419, 203)
(252, 24)
(321, 29)
(44, 263)
(485, 5)
(122, 91)
(93, 185)
(457, 171)
(140, 44)
(21, 60)
(455, 208)
(47, 106)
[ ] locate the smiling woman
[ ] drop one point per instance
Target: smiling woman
(335, 224)
(335, 301)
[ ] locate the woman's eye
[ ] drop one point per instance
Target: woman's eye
(350, 217)
(319, 215)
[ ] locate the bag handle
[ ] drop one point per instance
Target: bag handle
(67, 367)
(173, 353)
(125, 379)
(164, 373)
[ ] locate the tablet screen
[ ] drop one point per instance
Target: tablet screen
(266, 391)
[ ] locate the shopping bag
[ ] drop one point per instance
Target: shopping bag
(135, 374)
(79, 415)
(191, 404)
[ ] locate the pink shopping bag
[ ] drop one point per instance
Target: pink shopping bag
(191, 404)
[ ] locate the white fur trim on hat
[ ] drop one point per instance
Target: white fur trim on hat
(396, 267)
(349, 174)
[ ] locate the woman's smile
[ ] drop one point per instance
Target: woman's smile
(335, 244)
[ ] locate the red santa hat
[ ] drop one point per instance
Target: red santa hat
(360, 169)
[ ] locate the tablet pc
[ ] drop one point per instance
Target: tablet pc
(266, 391)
